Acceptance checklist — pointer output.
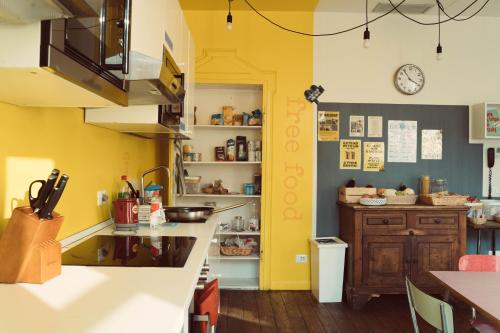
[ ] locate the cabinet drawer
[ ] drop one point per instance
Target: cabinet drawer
(384, 221)
(436, 221)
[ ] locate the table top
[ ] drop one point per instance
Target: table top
(479, 289)
(487, 225)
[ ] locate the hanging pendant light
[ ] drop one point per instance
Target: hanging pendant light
(366, 34)
(229, 18)
(439, 48)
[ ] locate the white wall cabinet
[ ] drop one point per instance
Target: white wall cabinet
(485, 121)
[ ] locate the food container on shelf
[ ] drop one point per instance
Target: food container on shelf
(193, 184)
(491, 208)
(249, 189)
(439, 185)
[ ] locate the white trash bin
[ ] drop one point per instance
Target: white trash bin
(327, 268)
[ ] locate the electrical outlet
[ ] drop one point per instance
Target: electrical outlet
(102, 197)
(301, 258)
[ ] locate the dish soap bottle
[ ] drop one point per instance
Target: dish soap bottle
(124, 192)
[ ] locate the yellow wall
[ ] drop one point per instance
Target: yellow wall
(35, 140)
(290, 56)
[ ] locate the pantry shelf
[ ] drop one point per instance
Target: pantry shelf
(239, 283)
(201, 195)
(253, 256)
(239, 233)
(227, 127)
(221, 162)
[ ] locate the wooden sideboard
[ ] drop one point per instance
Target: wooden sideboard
(388, 243)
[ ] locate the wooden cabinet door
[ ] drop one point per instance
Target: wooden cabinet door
(432, 253)
(385, 260)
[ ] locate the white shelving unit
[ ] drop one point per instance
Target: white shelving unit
(233, 272)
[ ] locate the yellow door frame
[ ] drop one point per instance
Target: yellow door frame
(224, 66)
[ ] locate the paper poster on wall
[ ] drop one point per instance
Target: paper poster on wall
(357, 126)
(402, 141)
(373, 156)
(328, 126)
(493, 123)
(375, 126)
(350, 154)
(432, 144)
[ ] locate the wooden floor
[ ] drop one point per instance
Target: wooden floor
(298, 311)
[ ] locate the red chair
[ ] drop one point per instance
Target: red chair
(480, 263)
(206, 307)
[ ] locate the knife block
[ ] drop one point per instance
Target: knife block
(29, 251)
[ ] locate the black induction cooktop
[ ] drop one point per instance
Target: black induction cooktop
(130, 251)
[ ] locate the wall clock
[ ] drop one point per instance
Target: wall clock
(409, 79)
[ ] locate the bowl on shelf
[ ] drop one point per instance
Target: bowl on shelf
(373, 201)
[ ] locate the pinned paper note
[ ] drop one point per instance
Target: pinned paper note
(373, 156)
(357, 126)
(350, 154)
(432, 144)
(402, 141)
(328, 126)
(375, 126)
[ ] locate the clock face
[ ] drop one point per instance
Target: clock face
(409, 79)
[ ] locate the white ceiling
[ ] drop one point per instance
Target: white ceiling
(451, 6)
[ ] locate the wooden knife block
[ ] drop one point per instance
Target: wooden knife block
(29, 251)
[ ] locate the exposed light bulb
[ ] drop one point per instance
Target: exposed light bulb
(439, 52)
(366, 38)
(229, 22)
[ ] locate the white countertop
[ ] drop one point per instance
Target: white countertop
(109, 299)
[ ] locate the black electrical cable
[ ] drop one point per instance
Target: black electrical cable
(395, 7)
(320, 35)
(440, 4)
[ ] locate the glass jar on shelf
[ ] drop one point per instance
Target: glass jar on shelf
(253, 220)
(439, 185)
(238, 224)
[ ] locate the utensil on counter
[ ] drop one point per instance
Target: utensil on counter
(195, 214)
(55, 195)
(38, 202)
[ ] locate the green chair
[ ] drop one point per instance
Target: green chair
(434, 311)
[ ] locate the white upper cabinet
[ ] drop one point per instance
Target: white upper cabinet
(485, 121)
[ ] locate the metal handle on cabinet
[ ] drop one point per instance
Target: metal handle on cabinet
(437, 221)
(385, 221)
(126, 36)
(411, 233)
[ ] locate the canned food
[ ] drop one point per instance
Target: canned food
(196, 157)
(187, 157)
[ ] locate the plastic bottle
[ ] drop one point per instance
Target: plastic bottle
(124, 192)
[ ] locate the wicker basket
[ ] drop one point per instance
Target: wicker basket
(443, 200)
(402, 199)
(235, 251)
(478, 220)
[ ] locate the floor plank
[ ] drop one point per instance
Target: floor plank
(266, 317)
(298, 311)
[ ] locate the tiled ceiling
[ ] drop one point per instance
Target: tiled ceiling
(452, 6)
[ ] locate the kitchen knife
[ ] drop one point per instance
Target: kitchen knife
(44, 191)
(55, 195)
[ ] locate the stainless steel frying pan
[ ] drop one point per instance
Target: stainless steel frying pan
(194, 214)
